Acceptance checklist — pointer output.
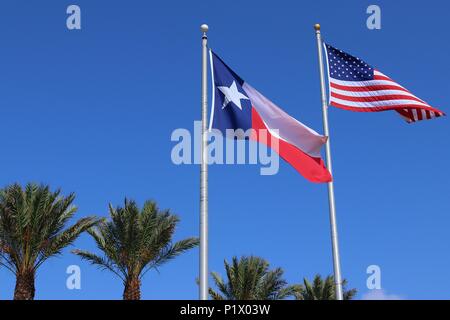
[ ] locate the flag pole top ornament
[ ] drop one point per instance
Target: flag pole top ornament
(317, 27)
(204, 28)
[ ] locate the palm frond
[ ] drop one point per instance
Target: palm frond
(170, 252)
(34, 225)
(249, 278)
(66, 238)
(101, 262)
(322, 289)
(134, 241)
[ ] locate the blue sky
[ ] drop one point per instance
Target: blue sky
(92, 111)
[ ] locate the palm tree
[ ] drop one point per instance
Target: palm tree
(32, 229)
(135, 241)
(249, 278)
(323, 289)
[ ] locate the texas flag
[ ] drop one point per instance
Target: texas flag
(237, 105)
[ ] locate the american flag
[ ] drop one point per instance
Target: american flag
(357, 86)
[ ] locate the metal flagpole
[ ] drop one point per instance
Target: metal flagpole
(204, 174)
(334, 233)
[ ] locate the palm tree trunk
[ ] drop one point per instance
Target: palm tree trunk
(132, 289)
(24, 289)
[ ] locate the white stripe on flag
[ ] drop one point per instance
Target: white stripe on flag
(372, 93)
(289, 129)
(378, 103)
(367, 83)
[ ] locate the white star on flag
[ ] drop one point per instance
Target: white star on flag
(232, 95)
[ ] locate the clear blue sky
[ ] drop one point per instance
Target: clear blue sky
(92, 112)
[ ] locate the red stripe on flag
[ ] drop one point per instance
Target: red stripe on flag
(380, 77)
(367, 88)
(313, 169)
(405, 114)
(384, 108)
(419, 114)
(374, 98)
(377, 108)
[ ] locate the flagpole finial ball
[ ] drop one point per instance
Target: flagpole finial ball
(204, 28)
(317, 27)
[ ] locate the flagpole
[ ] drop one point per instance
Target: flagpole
(333, 224)
(203, 294)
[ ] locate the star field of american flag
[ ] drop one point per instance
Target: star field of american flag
(357, 86)
(347, 67)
